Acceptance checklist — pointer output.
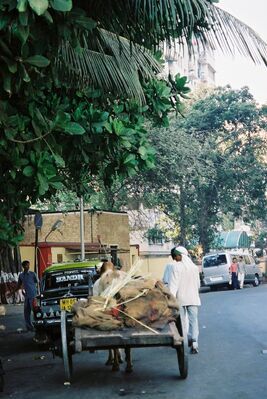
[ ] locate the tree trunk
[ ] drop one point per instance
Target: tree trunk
(182, 235)
(9, 269)
(203, 226)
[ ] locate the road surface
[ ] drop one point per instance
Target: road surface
(230, 365)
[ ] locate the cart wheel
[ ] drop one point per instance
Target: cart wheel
(182, 351)
(66, 355)
(1, 383)
(182, 356)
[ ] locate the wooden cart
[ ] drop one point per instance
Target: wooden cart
(75, 340)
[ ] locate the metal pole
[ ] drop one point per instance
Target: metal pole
(36, 268)
(82, 229)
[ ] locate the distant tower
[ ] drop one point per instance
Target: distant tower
(199, 68)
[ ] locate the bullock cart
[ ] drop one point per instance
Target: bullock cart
(75, 340)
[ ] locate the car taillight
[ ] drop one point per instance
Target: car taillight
(35, 305)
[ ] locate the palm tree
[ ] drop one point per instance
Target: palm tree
(111, 44)
(117, 53)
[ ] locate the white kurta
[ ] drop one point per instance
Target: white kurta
(184, 283)
(96, 288)
(167, 273)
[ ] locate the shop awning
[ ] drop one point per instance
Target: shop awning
(232, 239)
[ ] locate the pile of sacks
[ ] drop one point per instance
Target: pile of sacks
(141, 301)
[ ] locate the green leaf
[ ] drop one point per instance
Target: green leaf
(12, 66)
(7, 83)
(6, 49)
(39, 6)
(24, 74)
(28, 171)
(38, 61)
(143, 152)
(4, 20)
(126, 144)
(61, 5)
(13, 174)
(23, 161)
(43, 184)
(48, 17)
(74, 128)
(59, 160)
(85, 22)
(108, 127)
(118, 127)
(56, 184)
(62, 119)
(21, 32)
(118, 108)
(10, 133)
(23, 18)
(22, 5)
(130, 159)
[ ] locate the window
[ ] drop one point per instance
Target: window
(59, 258)
(216, 260)
(155, 237)
(114, 254)
(63, 279)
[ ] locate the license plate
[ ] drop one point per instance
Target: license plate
(67, 303)
(216, 279)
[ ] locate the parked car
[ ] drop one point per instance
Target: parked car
(215, 269)
(61, 286)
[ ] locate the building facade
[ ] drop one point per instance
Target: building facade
(199, 67)
(106, 234)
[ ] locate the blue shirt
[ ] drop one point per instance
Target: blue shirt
(29, 281)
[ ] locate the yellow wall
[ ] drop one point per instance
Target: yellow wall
(153, 265)
(27, 253)
(111, 228)
(60, 250)
(133, 254)
(68, 232)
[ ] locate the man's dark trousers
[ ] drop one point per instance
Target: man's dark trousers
(27, 313)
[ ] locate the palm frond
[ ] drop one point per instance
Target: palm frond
(149, 22)
(108, 61)
(232, 35)
(116, 55)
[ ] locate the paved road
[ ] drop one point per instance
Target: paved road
(230, 365)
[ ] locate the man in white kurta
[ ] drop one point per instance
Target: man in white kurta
(184, 284)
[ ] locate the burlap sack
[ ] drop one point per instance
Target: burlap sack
(156, 307)
(90, 314)
(106, 278)
(150, 309)
(135, 288)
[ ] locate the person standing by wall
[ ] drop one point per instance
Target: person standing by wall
(167, 273)
(233, 270)
(184, 284)
(241, 272)
(28, 282)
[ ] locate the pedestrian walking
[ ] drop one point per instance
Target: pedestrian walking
(167, 273)
(184, 284)
(28, 282)
(241, 272)
(234, 270)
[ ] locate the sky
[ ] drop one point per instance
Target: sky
(240, 71)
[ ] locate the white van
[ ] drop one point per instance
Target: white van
(215, 269)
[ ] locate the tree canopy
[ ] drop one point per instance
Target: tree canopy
(210, 165)
(78, 81)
